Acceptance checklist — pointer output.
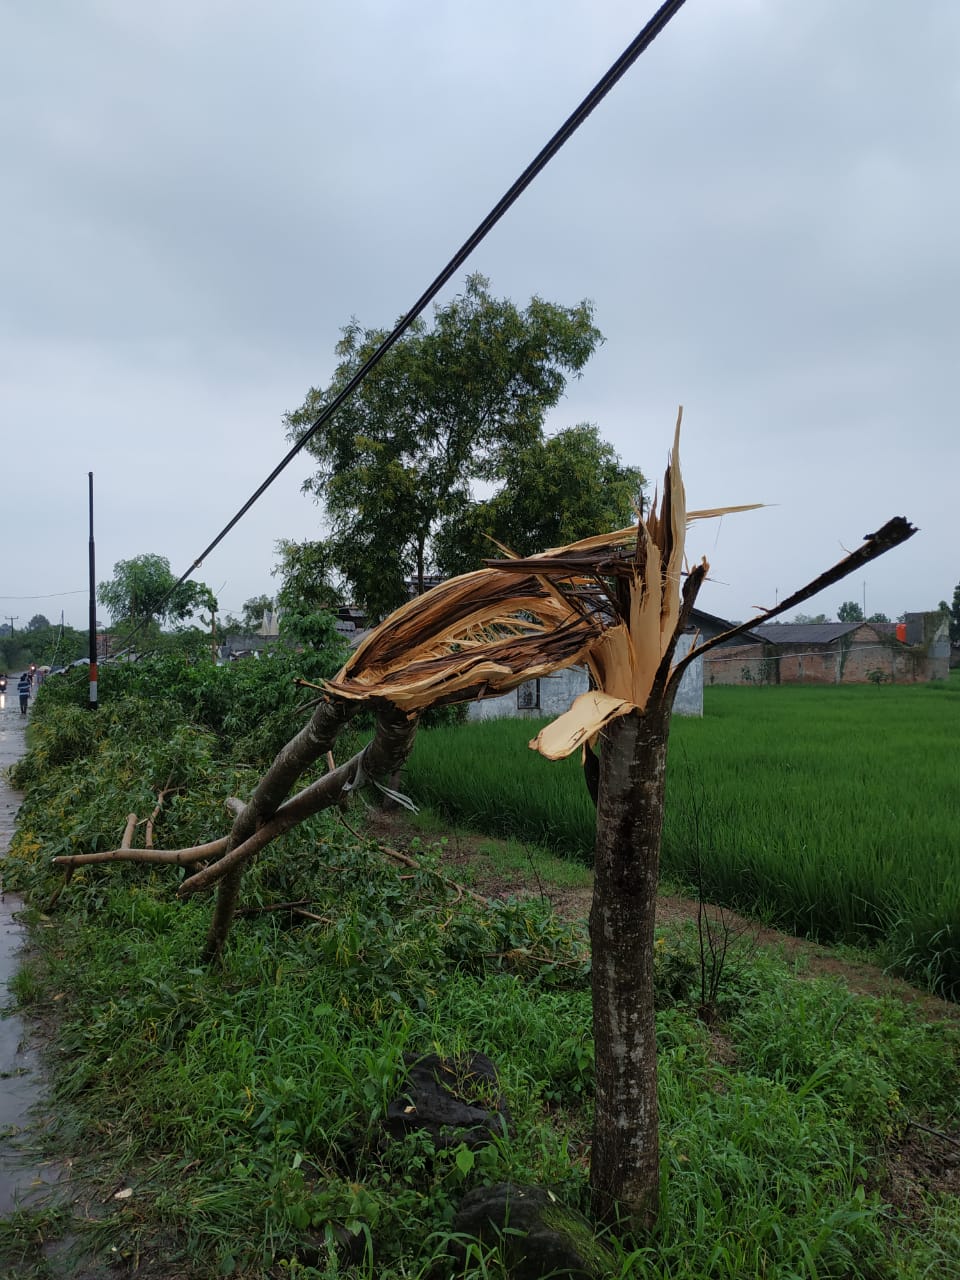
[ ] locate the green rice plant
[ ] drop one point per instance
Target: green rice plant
(830, 811)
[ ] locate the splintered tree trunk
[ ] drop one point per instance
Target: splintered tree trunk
(625, 1164)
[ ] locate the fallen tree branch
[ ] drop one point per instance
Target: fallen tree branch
(387, 750)
(178, 857)
(295, 909)
(273, 906)
(148, 832)
(936, 1133)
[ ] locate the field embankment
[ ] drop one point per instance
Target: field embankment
(832, 812)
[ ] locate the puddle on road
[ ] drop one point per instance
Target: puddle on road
(21, 1079)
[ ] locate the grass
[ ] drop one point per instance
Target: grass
(832, 812)
(243, 1108)
(230, 1121)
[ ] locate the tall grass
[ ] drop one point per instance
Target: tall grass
(835, 811)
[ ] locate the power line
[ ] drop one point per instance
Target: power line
(566, 130)
(51, 595)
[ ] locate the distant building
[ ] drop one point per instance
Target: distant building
(836, 653)
(552, 695)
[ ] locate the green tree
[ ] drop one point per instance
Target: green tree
(878, 617)
(38, 622)
(446, 407)
(850, 611)
(808, 618)
(554, 491)
(307, 577)
(143, 591)
(254, 611)
(954, 611)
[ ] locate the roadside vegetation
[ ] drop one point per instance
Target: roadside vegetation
(231, 1120)
(830, 812)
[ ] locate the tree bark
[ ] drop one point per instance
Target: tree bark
(625, 1163)
(314, 740)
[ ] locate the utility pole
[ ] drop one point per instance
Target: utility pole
(11, 620)
(93, 607)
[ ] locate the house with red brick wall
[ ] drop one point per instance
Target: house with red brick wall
(834, 653)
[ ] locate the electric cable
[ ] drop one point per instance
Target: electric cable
(599, 91)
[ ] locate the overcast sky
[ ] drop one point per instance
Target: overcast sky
(198, 194)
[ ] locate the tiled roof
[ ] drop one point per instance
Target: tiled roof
(806, 632)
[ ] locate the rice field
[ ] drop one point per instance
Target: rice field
(832, 812)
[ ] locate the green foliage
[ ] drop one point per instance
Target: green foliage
(49, 645)
(447, 406)
(850, 611)
(801, 804)
(955, 616)
(144, 589)
(254, 611)
(307, 575)
(555, 491)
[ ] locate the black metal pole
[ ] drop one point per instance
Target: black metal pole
(93, 608)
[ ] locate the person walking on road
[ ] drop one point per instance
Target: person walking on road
(23, 688)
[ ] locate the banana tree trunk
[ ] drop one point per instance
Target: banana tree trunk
(625, 1164)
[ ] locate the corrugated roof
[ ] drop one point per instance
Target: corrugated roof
(806, 632)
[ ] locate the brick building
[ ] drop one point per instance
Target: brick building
(835, 653)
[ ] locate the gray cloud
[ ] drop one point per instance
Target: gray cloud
(763, 211)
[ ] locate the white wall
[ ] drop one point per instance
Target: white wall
(559, 690)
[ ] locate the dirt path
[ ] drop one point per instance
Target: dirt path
(468, 858)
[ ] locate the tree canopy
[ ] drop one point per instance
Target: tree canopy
(307, 577)
(450, 405)
(52, 644)
(850, 611)
(555, 491)
(142, 590)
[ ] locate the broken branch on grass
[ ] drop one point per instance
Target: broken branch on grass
(295, 909)
(128, 831)
(178, 857)
(936, 1133)
(166, 791)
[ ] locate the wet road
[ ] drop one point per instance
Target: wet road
(21, 1085)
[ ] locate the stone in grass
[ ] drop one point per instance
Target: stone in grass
(453, 1100)
(538, 1235)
